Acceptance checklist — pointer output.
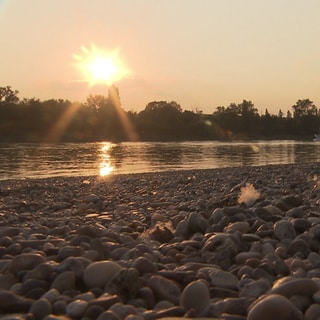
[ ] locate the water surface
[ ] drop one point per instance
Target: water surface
(27, 160)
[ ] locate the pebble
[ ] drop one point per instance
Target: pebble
(290, 287)
(165, 289)
(26, 261)
(219, 278)
(156, 245)
(76, 308)
(97, 274)
(274, 306)
(64, 281)
(195, 296)
(41, 308)
(284, 230)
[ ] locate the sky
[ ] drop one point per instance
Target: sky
(199, 53)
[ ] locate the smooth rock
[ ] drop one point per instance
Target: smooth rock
(219, 249)
(97, 274)
(76, 308)
(40, 308)
(51, 295)
(235, 306)
(197, 223)
(26, 261)
(144, 265)
(124, 283)
(312, 313)
(42, 271)
(31, 284)
(299, 245)
(242, 257)
(219, 278)
(123, 310)
(165, 289)
(64, 281)
(7, 280)
(284, 230)
(10, 302)
(92, 312)
(75, 264)
(70, 251)
(195, 296)
(255, 289)
(105, 301)
(91, 198)
(274, 306)
(108, 315)
(241, 226)
(295, 286)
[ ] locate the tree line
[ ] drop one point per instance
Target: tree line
(101, 118)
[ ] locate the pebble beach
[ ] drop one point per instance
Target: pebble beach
(231, 243)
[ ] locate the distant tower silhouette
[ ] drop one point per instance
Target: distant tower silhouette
(114, 96)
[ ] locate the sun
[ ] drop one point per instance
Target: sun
(99, 66)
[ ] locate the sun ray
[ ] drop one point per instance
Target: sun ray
(98, 66)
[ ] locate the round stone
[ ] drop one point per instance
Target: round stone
(70, 251)
(312, 313)
(241, 226)
(291, 287)
(274, 306)
(11, 302)
(144, 265)
(26, 261)
(165, 289)
(40, 308)
(64, 281)
(97, 274)
(195, 296)
(77, 308)
(220, 278)
(284, 230)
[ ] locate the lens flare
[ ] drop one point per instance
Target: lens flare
(100, 66)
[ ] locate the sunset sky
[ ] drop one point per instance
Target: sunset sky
(199, 53)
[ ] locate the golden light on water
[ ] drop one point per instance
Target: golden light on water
(106, 170)
(100, 66)
(106, 167)
(255, 148)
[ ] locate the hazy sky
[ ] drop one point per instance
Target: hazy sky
(199, 53)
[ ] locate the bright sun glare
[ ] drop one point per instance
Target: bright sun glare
(98, 66)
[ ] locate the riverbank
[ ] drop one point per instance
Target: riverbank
(145, 246)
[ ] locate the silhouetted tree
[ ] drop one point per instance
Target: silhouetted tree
(102, 118)
(8, 95)
(161, 120)
(304, 107)
(305, 115)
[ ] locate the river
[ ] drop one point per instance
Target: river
(28, 160)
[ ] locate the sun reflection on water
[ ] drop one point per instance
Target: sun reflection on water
(106, 167)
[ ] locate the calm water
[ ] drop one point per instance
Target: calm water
(75, 159)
